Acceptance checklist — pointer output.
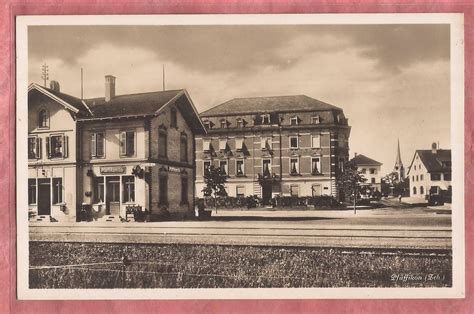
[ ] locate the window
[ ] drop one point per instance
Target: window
(222, 144)
(223, 167)
(294, 120)
(34, 148)
(413, 178)
(223, 124)
(207, 124)
(163, 197)
(414, 167)
(294, 190)
(265, 119)
(315, 141)
(207, 165)
(266, 165)
(416, 177)
(206, 145)
(341, 164)
(363, 171)
(128, 187)
(372, 180)
(184, 190)
(239, 167)
(421, 177)
(31, 191)
(422, 190)
(341, 140)
(56, 146)
(240, 191)
(316, 119)
(447, 176)
(293, 142)
(239, 144)
(57, 190)
(43, 119)
(266, 143)
(315, 165)
(99, 191)
(184, 147)
(173, 118)
(127, 143)
(373, 171)
(435, 176)
(414, 190)
(163, 143)
(240, 123)
(97, 144)
(294, 166)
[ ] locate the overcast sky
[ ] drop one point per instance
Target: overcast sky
(392, 81)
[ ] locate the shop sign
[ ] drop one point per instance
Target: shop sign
(174, 169)
(112, 169)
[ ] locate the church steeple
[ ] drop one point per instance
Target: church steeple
(398, 168)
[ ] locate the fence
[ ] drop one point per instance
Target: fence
(324, 201)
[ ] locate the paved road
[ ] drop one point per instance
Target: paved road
(381, 228)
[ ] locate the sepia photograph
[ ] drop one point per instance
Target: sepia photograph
(174, 156)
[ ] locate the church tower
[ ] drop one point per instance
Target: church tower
(398, 168)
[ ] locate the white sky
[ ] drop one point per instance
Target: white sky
(391, 80)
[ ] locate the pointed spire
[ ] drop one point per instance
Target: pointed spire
(398, 160)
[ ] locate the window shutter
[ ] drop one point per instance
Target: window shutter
(99, 144)
(122, 143)
(93, 144)
(48, 148)
(66, 146)
(38, 147)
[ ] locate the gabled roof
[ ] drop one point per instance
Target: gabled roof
(131, 104)
(362, 160)
(433, 162)
(69, 102)
(294, 103)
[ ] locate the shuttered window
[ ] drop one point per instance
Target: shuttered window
(127, 143)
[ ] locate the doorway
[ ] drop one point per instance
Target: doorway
(44, 197)
(113, 196)
(266, 193)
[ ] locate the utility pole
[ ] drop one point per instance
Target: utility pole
(163, 77)
(44, 74)
(82, 85)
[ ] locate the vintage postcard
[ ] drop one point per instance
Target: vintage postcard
(240, 156)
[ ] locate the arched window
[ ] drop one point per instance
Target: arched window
(422, 190)
(43, 118)
(414, 190)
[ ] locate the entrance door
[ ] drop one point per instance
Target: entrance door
(266, 193)
(44, 197)
(316, 188)
(113, 196)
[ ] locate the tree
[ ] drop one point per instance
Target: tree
(394, 184)
(215, 180)
(350, 181)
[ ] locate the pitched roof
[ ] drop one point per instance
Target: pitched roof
(131, 104)
(364, 160)
(434, 162)
(74, 102)
(294, 103)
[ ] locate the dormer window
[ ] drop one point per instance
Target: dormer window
(207, 124)
(316, 119)
(223, 123)
(43, 118)
(294, 120)
(265, 118)
(240, 123)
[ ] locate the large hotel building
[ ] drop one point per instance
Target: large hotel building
(268, 146)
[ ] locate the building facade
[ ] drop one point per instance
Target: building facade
(268, 146)
(430, 170)
(130, 151)
(370, 169)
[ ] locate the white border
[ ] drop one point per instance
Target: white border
(457, 144)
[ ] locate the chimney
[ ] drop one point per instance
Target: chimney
(109, 87)
(355, 154)
(434, 148)
(54, 85)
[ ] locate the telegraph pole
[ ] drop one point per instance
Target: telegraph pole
(44, 74)
(163, 77)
